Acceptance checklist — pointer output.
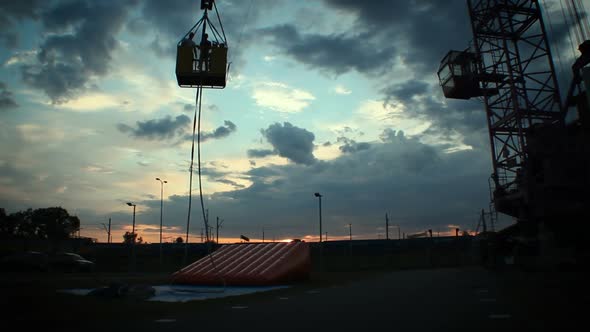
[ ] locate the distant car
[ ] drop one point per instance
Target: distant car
(27, 261)
(70, 262)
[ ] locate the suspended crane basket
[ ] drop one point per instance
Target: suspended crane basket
(198, 65)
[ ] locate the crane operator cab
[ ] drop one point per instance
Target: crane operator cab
(202, 63)
(457, 77)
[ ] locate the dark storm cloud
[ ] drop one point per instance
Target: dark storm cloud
(352, 146)
(79, 48)
(448, 117)
(21, 9)
(230, 182)
(398, 174)
(215, 172)
(6, 99)
(387, 35)
(405, 91)
(336, 53)
(427, 28)
(11, 12)
(159, 129)
(288, 141)
(418, 33)
(15, 174)
(162, 49)
(260, 153)
(220, 132)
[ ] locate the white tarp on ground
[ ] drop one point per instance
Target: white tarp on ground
(177, 293)
(181, 293)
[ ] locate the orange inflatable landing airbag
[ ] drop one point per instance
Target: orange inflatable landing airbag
(249, 264)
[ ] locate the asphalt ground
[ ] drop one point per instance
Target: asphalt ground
(453, 299)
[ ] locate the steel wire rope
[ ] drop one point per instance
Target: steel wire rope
(585, 18)
(568, 28)
(241, 32)
(556, 41)
(579, 19)
(574, 19)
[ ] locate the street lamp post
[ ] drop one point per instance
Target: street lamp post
(133, 229)
(318, 195)
(161, 209)
(132, 239)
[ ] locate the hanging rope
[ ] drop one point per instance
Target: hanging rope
(197, 131)
(190, 184)
(205, 216)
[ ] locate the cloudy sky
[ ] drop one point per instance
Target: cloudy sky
(334, 96)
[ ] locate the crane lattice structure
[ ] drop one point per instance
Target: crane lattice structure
(509, 67)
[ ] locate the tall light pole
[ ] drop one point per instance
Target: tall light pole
(133, 229)
(133, 240)
(161, 209)
(386, 227)
(318, 195)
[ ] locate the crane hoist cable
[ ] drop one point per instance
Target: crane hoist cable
(197, 131)
(569, 33)
(555, 40)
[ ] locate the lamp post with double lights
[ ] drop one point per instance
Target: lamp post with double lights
(161, 211)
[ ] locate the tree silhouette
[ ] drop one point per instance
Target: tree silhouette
(129, 237)
(55, 223)
(7, 223)
(179, 240)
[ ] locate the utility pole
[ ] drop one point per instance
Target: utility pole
(217, 226)
(208, 228)
(350, 231)
(262, 234)
(386, 227)
(201, 234)
(108, 230)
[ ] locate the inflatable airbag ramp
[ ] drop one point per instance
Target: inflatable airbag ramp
(249, 264)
